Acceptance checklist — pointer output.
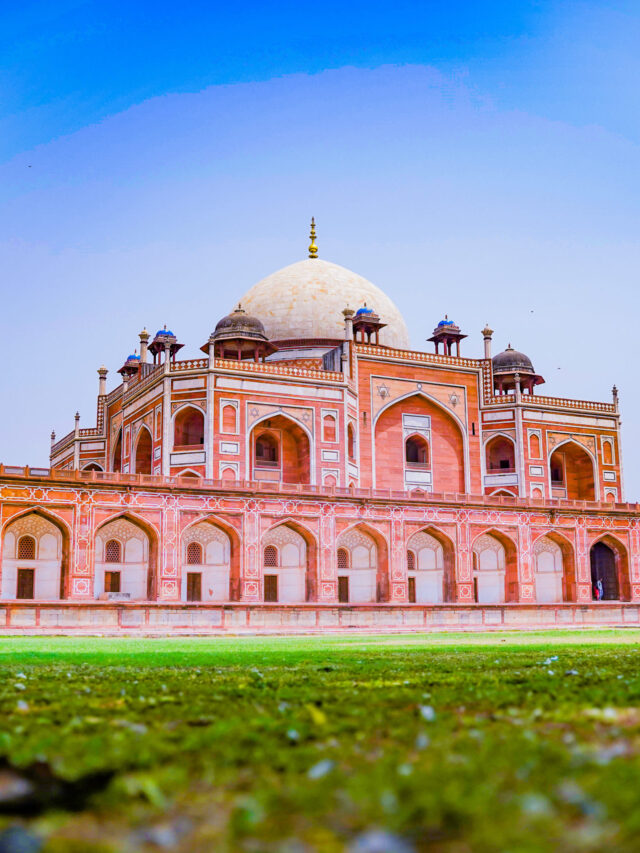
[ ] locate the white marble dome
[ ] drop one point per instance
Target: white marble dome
(306, 300)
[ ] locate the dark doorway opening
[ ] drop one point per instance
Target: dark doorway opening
(194, 586)
(271, 587)
(112, 581)
(343, 589)
(25, 583)
(412, 590)
(604, 573)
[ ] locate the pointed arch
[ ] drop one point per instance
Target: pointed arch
(189, 472)
(416, 451)
(63, 586)
(569, 573)
(295, 455)
(235, 550)
(510, 592)
(351, 441)
(572, 471)
(382, 580)
(116, 453)
(448, 445)
(311, 543)
(449, 580)
(142, 462)
(500, 454)
(620, 564)
(153, 540)
(188, 427)
(93, 466)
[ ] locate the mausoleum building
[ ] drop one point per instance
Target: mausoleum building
(312, 462)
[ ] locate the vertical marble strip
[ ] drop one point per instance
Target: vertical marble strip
(327, 551)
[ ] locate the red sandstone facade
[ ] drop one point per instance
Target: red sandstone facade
(320, 471)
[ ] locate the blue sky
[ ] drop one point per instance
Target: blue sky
(476, 159)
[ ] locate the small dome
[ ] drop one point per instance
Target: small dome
(512, 361)
(165, 332)
(364, 311)
(239, 324)
(446, 322)
(133, 357)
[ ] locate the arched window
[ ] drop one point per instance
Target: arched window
(112, 551)
(229, 419)
(351, 442)
(266, 450)
(501, 455)
(328, 428)
(143, 452)
(92, 466)
(117, 453)
(27, 548)
(270, 556)
(572, 474)
(329, 480)
(534, 445)
(194, 554)
(607, 453)
(343, 558)
(188, 430)
(411, 561)
(416, 451)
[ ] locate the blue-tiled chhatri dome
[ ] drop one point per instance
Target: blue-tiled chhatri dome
(445, 322)
(365, 310)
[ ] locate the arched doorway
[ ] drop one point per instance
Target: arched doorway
(351, 442)
(206, 563)
(289, 564)
(440, 465)
(495, 569)
(548, 571)
(280, 451)
(126, 553)
(142, 462)
(188, 429)
(572, 473)
(92, 466)
(363, 575)
(430, 568)
(34, 559)
(117, 454)
(609, 570)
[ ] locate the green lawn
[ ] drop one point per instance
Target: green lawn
(389, 744)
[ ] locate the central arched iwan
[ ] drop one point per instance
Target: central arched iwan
(446, 446)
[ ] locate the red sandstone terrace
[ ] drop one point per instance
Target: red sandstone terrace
(313, 472)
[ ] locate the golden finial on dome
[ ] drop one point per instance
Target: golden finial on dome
(313, 249)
